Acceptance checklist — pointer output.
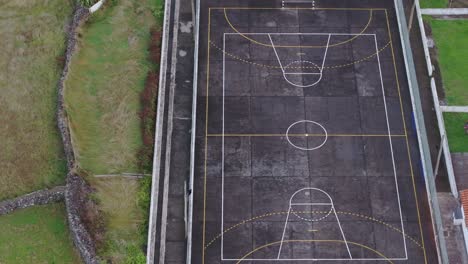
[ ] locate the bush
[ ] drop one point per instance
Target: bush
(135, 255)
(87, 3)
(148, 98)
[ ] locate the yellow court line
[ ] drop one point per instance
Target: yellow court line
(301, 67)
(305, 135)
(312, 241)
(407, 143)
(295, 46)
(299, 8)
(308, 212)
(206, 133)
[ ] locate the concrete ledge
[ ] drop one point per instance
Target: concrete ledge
(158, 138)
(444, 11)
(96, 6)
(454, 109)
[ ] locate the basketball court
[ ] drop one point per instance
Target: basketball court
(305, 147)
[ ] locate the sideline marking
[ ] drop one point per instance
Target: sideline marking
(295, 46)
(222, 149)
(391, 148)
(406, 137)
(383, 257)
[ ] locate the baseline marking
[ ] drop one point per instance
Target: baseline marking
(305, 135)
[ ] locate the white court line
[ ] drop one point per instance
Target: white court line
(300, 33)
(311, 204)
(222, 151)
(326, 51)
(332, 209)
(303, 73)
(319, 259)
(342, 233)
(284, 232)
(391, 147)
(311, 122)
(279, 61)
(284, 73)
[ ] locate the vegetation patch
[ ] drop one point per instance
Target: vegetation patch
(33, 41)
(36, 235)
(106, 77)
(111, 99)
(451, 38)
(117, 198)
(457, 137)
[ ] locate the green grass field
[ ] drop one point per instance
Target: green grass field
(433, 3)
(458, 140)
(451, 38)
(32, 37)
(36, 235)
(102, 90)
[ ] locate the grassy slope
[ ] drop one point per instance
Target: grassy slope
(36, 235)
(451, 37)
(103, 100)
(32, 36)
(102, 91)
(433, 3)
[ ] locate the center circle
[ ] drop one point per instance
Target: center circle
(306, 125)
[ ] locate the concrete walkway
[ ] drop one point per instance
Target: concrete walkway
(460, 166)
(453, 233)
(444, 11)
(454, 109)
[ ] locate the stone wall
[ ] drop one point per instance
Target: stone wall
(76, 188)
(35, 198)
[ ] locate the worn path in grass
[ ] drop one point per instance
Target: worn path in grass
(36, 235)
(33, 37)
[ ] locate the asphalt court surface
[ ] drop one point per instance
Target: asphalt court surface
(305, 145)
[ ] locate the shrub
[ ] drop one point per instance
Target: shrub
(87, 3)
(135, 255)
